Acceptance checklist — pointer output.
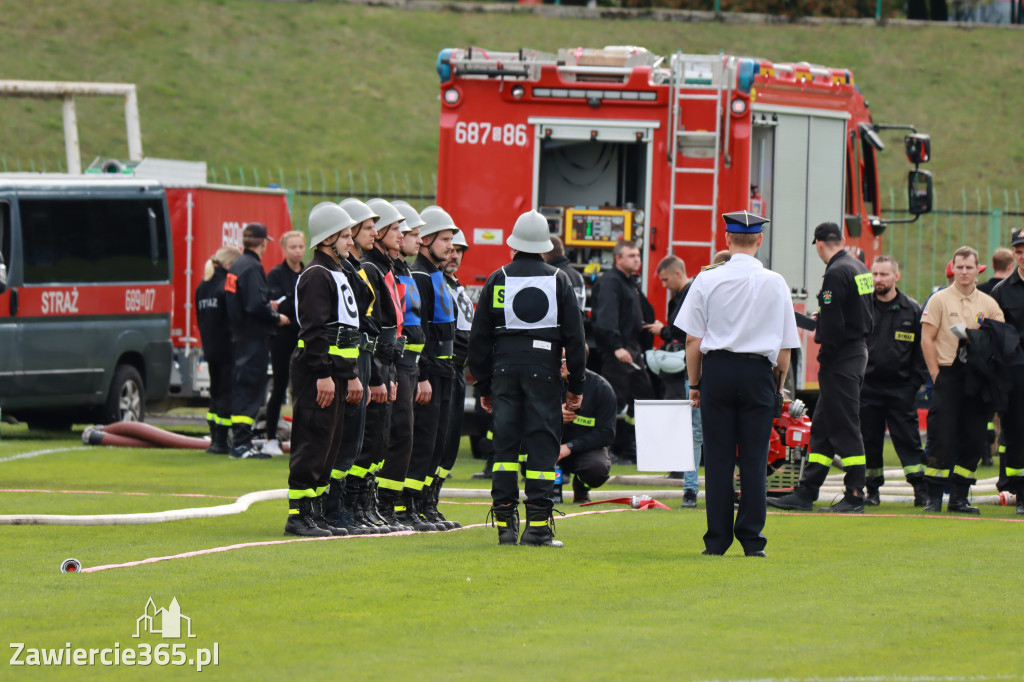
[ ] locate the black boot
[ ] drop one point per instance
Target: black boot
(506, 518)
(580, 491)
(405, 513)
(958, 503)
(301, 522)
(320, 518)
(386, 503)
(430, 508)
(850, 504)
(540, 528)
(218, 439)
(1020, 498)
(366, 507)
(354, 504)
(801, 499)
(934, 498)
(340, 516)
(920, 493)
(419, 507)
(871, 499)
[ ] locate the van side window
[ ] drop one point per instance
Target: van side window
(94, 240)
(5, 237)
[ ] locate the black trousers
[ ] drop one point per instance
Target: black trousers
(391, 476)
(249, 387)
(376, 430)
(316, 433)
(956, 430)
(835, 426)
(453, 439)
(1011, 437)
(281, 348)
(590, 466)
(629, 384)
(526, 401)
(737, 406)
(355, 418)
(429, 432)
(891, 406)
(221, 373)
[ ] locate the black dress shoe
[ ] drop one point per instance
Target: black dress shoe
(689, 499)
(871, 499)
(848, 505)
(793, 502)
(759, 553)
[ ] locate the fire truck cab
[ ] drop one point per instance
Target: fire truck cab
(621, 144)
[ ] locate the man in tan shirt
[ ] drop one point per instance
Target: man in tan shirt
(956, 422)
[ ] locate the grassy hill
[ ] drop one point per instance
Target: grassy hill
(334, 87)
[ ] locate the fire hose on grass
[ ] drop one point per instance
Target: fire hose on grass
(140, 435)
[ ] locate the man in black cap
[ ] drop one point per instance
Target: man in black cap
(844, 322)
(253, 319)
(740, 326)
(1009, 294)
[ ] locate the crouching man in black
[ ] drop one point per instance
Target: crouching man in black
(587, 433)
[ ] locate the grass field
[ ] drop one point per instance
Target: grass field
(888, 596)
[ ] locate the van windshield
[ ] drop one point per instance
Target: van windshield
(94, 240)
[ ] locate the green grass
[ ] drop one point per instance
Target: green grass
(629, 595)
(326, 85)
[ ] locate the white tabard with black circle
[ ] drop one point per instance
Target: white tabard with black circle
(530, 302)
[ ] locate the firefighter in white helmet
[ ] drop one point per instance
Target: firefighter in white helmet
(322, 365)
(526, 316)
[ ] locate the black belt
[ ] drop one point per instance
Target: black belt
(752, 356)
(345, 337)
(367, 342)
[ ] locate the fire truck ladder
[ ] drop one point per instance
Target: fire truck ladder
(698, 80)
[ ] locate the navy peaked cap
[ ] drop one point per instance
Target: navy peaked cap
(743, 222)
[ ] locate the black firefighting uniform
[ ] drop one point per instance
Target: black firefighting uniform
(369, 372)
(618, 308)
(526, 315)
(895, 370)
(391, 476)
(674, 385)
(377, 266)
(212, 316)
(281, 281)
(430, 421)
(463, 323)
(328, 319)
(1009, 294)
(844, 322)
(253, 321)
(591, 433)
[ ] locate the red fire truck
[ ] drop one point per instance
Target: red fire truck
(619, 143)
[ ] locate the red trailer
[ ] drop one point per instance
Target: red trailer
(620, 143)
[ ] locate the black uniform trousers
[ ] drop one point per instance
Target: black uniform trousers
(249, 386)
(629, 384)
(355, 418)
(526, 401)
(453, 439)
(316, 432)
(956, 429)
(590, 466)
(281, 348)
(391, 476)
(429, 432)
(737, 407)
(1011, 436)
(891, 406)
(376, 429)
(835, 426)
(221, 373)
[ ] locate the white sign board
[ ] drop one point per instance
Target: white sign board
(664, 435)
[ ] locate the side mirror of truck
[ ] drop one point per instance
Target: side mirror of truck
(919, 148)
(919, 192)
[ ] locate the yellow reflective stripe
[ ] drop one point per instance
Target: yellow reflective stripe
(538, 523)
(413, 485)
(506, 466)
(854, 461)
(336, 474)
(389, 484)
(242, 419)
(428, 481)
(414, 347)
(299, 494)
(211, 417)
(913, 469)
(358, 471)
(1014, 472)
(936, 473)
(628, 419)
(962, 471)
(865, 283)
(375, 467)
(501, 524)
(320, 491)
(302, 344)
(540, 475)
(443, 473)
(818, 458)
(373, 294)
(344, 352)
(522, 457)
(224, 421)
(874, 473)
(490, 435)
(991, 426)
(1002, 449)
(585, 421)
(443, 357)
(499, 297)
(400, 508)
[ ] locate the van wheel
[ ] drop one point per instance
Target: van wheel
(126, 400)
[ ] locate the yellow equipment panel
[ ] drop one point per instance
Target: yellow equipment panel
(597, 228)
